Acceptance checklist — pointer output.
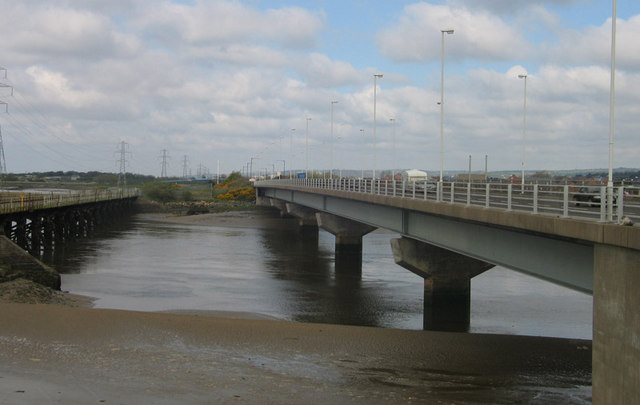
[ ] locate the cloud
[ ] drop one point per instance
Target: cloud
(592, 45)
(60, 32)
(319, 70)
(507, 6)
(478, 35)
(225, 22)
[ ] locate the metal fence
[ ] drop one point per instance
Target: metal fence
(12, 202)
(562, 200)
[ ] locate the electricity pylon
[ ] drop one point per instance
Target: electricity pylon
(122, 179)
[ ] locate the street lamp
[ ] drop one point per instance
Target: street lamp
(393, 120)
(331, 167)
(362, 175)
(306, 167)
(612, 98)
(524, 128)
(449, 31)
(251, 166)
(291, 151)
(284, 167)
(375, 87)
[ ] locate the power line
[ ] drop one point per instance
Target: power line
(185, 166)
(122, 179)
(3, 161)
(164, 157)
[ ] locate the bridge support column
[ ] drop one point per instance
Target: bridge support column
(447, 282)
(616, 325)
(261, 200)
(280, 205)
(307, 216)
(348, 233)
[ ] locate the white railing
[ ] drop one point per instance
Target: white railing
(564, 200)
(12, 202)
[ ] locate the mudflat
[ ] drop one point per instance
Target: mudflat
(57, 354)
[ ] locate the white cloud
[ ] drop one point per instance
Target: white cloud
(61, 32)
(478, 35)
(319, 70)
(592, 45)
(507, 6)
(224, 22)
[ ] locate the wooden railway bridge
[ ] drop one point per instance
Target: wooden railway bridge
(39, 221)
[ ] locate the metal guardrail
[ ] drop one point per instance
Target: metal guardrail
(14, 202)
(566, 200)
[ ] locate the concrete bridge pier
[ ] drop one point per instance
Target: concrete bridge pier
(348, 246)
(281, 206)
(616, 325)
(306, 216)
(348, 233)
(447, 282)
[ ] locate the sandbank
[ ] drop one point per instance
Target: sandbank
(56, 354)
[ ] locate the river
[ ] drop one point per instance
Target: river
(281, 272)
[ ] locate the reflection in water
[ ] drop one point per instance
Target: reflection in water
(321, 291)
(292, 274)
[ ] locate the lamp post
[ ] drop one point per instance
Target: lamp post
(251, 166)
(524, 129)
(449, 31)
(284, 167)
(291, 152)
(375, 87)
(612, 98)
(362, 175)
(306, 166)
(331, 168)
(393, 169)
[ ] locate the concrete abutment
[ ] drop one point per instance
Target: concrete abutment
(447, 282)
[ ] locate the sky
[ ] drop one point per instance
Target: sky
(208, 85)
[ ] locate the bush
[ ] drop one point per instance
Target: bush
(239, 194)
(187, 195)
(162, 192)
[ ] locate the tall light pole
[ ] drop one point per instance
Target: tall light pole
(612, 98)
(442, 104)
(284, 167)
(375, 87)
(524, 129)
(331, 168)
(306, 166)
(393, 169)
(291, 152)
(362, 175)
(251, 166)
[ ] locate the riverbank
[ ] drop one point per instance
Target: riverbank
(259, 217)
(55, 354)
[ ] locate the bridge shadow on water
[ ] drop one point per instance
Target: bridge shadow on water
(324, 289)
(69, 256)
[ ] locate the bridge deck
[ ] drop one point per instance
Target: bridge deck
(16, 202)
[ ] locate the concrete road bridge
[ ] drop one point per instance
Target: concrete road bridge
(451, 232)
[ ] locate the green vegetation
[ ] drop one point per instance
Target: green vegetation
(160, 192)
(234, 189)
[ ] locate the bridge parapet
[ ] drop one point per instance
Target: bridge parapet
(559, 200)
